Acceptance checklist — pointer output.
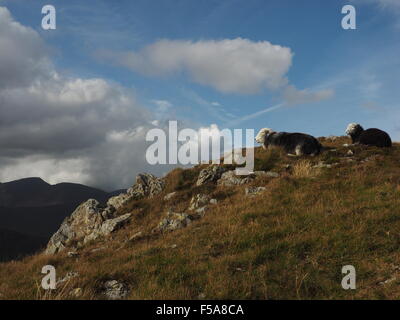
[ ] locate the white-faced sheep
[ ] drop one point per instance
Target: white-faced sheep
(293, 143)
(369, 137)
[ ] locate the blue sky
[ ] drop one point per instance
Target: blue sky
(361, 66)
(330, 78)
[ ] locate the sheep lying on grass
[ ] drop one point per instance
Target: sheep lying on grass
(369, 137)
(293, 143)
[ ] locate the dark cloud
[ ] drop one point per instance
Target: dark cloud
(64, 129)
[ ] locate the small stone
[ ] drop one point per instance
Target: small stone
(69, 276)
(254, 190)
(388, 281)
(169, 196)
(202, 296)
(350, 153)
(201, 211)
(213, 201)
(115, 290)
(174, 246)
(76, 293)
(272, 174)
(72, 254)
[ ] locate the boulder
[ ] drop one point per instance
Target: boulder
(210, 174)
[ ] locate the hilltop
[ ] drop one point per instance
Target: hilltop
(285, 233)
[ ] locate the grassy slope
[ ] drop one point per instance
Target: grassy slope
(287, 243)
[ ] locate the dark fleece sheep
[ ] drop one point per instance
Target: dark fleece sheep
(293, 143)
(370, 137)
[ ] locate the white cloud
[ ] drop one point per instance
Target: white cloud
(23, 55)
(229, 65)
(294, 96)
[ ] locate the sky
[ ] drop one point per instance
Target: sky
(76, 102)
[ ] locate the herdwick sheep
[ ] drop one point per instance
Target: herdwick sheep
(293, 143)
(369, 137)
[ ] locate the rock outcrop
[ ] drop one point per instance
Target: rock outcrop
(210, 174)
(229, 179)
(89, 221)
(147, 185)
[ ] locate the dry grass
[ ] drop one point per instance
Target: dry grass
(289, 242)
(304, 169)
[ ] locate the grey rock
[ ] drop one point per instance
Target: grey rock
(112, 225)
(115, 290)
(69, 276)
(213, 201)
(86, 218)
(254, 190)
(147, 185)
(119, 200)
(229, 179)
(174, 221)
(169, 196)
(200, 212)
(210, 174)
(72, 254)
(88, 222)
(199, 200)
(267, 174)
(76, 293)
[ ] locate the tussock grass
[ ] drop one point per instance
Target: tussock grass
(289, 242)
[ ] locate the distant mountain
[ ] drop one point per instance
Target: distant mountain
(15, 245)
(34, 192)
(32, 208)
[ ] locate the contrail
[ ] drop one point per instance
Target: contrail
(254, 115)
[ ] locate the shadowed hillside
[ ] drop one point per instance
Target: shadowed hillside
(33, 209)
(285, 234)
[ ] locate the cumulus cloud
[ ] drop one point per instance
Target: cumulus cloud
(23, 55)
(229, 65)
(61, 128)
(294, 96)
